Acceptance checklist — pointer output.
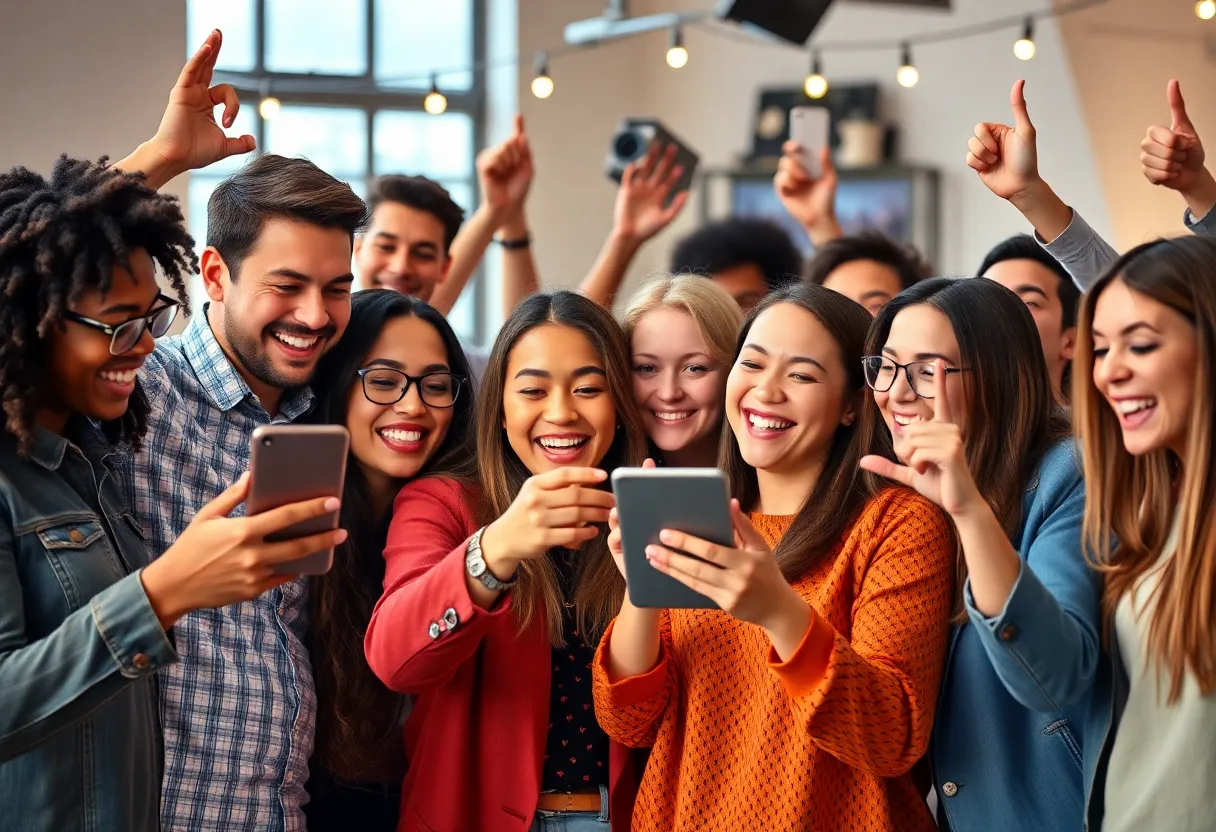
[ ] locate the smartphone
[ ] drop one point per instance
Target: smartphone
(291, 464)
(634, 137)
(810, 127)
(691, 500)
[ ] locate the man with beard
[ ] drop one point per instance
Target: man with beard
(238, 710)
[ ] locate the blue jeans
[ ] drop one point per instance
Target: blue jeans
(574, 821)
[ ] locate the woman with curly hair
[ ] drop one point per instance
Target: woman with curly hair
(84, 614)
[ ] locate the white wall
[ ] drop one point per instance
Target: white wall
(712, 101)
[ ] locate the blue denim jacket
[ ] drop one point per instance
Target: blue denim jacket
(1010, 740)
(80, 747)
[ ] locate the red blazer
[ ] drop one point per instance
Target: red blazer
(475, 738)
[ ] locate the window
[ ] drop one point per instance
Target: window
(351, 76)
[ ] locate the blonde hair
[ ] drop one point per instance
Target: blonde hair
(1130, 501)
(715, 313)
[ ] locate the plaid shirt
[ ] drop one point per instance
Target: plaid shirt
(239, 709)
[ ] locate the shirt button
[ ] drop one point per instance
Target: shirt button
(433, 631)
(949, 789)
(76, 535)
(451, 618)
(140, 661)
(1009, 632)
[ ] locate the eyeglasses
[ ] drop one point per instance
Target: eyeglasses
(881, 372)
(125, 336)
(384, 386)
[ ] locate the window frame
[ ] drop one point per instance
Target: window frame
(363, 92)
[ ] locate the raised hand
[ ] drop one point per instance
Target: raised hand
(1173, 157)
(810, 201)
(1005, 157)
(614, 531)
(641, 202)
(937, 461)
(556, 508)
(189, 137)
(506, 171)
(220, 560)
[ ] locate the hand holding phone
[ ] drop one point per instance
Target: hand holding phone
(810, 130)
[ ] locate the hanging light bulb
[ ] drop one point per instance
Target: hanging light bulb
(1024, 47)
(542, 84)
(677, 55)
(816, 85)
(435, 102)
(268, 105)
(907, 76)
(1205, 9)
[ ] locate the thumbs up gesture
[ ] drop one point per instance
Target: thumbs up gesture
(1006, 157)
(1173, 156)
(936, 463)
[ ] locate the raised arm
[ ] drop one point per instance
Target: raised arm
(641, 212)
(809, 200)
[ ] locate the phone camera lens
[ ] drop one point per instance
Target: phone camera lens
(266, 442)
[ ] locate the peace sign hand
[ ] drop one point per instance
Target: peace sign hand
(936, 457)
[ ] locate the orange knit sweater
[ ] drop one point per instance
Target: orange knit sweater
(825, 741)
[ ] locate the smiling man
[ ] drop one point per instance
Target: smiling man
(238, 711)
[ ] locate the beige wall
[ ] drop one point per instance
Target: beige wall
(1123, 54)
(85, 78)
(712, 101)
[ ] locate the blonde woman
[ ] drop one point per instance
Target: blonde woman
(1142, 400)
(682, 332)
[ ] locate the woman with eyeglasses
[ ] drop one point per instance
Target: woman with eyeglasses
(84, 611)
(398, 381)
(960, 380)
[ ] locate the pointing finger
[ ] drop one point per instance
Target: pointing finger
(888, 469)
(941, 396)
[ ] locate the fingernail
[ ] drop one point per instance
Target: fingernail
(667, 536)
(600, 474)
(332, 504)
(340, 536)
(651, 551)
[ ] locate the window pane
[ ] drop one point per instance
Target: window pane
(333, 138)
(235, 18)
(440, 147)
(328, 36)
(417, 37)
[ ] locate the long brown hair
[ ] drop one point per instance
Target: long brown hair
(1012, 417)
(357, 716)
(1129, 500)
(843, 488)
(599, 587)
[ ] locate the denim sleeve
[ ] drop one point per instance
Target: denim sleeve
(1081, 251)
(62, 678)
(1204, 226)
(1045, 644)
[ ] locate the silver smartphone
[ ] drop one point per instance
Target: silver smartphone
(691, 500)
(810, 127)
(291, 464)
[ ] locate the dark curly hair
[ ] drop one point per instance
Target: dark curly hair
(59, 238)
(740, 241)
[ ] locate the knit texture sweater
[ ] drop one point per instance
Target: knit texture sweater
(823, 741)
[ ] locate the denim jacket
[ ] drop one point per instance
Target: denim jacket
(80, 747)
(1012, 743)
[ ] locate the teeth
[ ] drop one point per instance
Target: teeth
(402, 435)
(905, 420)
(125, 377)
(562, 443)
(294, 341)
(1130, 406)
(672, 416)
(768, 424)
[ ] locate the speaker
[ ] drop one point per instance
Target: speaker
(792, 20)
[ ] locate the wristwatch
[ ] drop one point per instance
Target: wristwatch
(476, 566)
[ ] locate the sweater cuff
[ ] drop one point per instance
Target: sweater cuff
(632, 690)
(806, 669)
(1205, 225)
(130, 629)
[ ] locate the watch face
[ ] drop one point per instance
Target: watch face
(477, 567)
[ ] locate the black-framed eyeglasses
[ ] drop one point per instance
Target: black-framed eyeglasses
(881, 372)
(382, 385)
(126, 335)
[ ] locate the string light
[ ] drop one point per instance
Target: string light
(435, 102)
(542, 84)
(1205, 9)
(1024, 47)
(677, 55)
(907, 76)
(816, 85)
(268, 105)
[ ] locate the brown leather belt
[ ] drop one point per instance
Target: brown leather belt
(568, 802)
